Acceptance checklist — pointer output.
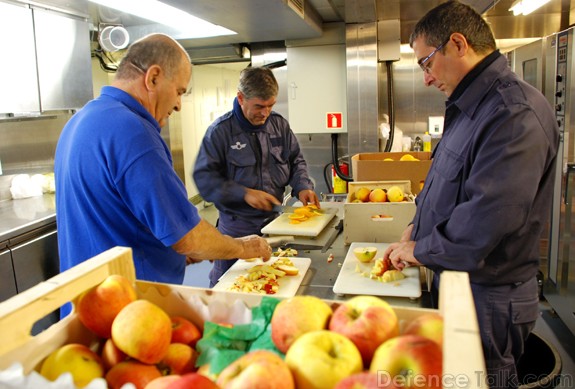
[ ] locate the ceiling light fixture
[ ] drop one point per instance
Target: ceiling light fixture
(525, 7)
(189, 25)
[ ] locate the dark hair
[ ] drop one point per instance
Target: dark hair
(452, 16)
(153, 49)
(258, 82)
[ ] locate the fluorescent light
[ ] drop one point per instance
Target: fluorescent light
(189, 25)
(525, 7)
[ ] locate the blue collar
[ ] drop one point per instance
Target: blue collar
(245, 123)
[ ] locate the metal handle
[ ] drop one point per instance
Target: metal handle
(570, 168)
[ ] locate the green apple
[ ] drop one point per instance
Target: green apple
(77, 359)
(367, 321)
(320, 359)
(411, 360)
(365, 254)
(296, 316)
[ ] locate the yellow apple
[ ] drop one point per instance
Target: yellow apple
(377, 196)
(111, 355)
(367, 321)
(82, 363)
(411, 360)
(429, 325)
(98, 306)
(362, 194)
(395, 194)
(143, 331)
(365, 254)
(408, 157)
(320, 359)
(180, 359)
(137, 373)
(259, 369)
(295, 316)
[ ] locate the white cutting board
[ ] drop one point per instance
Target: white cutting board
(349, 281)
(311, 227)
(288, 285)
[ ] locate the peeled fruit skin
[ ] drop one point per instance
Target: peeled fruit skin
(413, 359)
(295, 316)
(97, 307)
(377, 196)
(134, 372)
(259, 369)
(395, 194)
(362, 194)
(367, 321)
(320, 359)
(143, 331)
(429, 325)
(365, 254)
(77, 359)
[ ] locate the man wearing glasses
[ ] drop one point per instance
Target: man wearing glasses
(488, 193)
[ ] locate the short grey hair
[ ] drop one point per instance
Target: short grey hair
(258, 82)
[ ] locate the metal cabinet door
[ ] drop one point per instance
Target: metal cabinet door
(8, 283)
(36, 260)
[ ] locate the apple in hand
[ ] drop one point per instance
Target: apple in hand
(365, 254)
(320, 359)
(367, 321)
(180, 359)
(296, 316)
(98, 306)
(184, 331)
(143, 331)
(137, 373)
(410, 361)
(428, 325)
(259, 369)
(82, 363)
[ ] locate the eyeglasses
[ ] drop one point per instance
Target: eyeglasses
(423, 62)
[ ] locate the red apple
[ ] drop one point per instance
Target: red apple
(260, 369)
(320, 359)
(112, 355)
(184, 331)
(429, 325)
(363, 380)
(410, 361)
(98, 306)
(143, 331)
(137, 373)
(82, 363)
(180, 359)
(162, 382)
(296, 316)
(193, 380)
(367, 321)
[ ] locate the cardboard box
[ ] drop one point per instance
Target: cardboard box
(372, 167)
(359, 223)
(18, 314)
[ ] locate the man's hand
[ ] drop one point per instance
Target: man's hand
(255, 246)
(308, 196)
(401, 254)
(260, 200)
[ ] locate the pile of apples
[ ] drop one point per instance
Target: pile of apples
(356, 344)
(392, 194)
(139, 343)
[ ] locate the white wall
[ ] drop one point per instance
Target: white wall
(213, 89)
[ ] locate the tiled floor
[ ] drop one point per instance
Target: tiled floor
(549, 326)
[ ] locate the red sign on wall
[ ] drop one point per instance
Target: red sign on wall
(334, 120)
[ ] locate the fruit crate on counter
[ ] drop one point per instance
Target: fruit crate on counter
(463, 362)
(378, 222)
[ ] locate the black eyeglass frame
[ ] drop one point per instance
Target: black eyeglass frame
(423, 61)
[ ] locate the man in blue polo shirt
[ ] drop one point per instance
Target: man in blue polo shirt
(115, 184)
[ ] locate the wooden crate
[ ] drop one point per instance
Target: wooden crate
(462, 356)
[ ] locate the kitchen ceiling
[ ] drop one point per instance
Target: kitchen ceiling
(279, 20)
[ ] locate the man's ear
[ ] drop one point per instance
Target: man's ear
(152, 76)
(460, 43)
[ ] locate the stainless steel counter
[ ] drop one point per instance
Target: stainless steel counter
(21, 216)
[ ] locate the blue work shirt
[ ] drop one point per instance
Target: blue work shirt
(116, 186)
(487, 196)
